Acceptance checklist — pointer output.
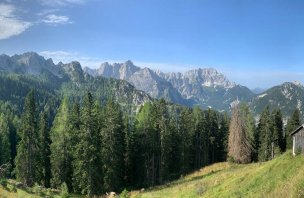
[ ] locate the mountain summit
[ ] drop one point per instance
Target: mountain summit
(203, 87)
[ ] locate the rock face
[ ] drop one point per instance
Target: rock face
(73, 70)
(29, 63)
(202, 87)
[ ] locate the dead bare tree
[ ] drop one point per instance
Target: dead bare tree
(239, 145)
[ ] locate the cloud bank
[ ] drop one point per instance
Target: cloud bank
(10, 25)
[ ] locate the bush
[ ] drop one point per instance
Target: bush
(3, 182)
(37, 189)
(124, 194)
(64, 191)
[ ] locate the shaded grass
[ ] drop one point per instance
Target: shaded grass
(281, 177)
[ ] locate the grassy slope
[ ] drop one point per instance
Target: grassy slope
(282, 177)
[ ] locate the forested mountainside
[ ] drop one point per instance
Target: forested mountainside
(21, 73)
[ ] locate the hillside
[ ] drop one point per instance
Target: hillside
(282, 177)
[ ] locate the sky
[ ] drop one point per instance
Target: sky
(256, 43)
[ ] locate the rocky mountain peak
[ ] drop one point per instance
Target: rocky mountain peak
(208, 77)
(74, 71)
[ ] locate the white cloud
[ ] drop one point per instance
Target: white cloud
(53, 19)
(10, 25)
(56, 3)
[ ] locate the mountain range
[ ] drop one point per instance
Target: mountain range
(204, 87)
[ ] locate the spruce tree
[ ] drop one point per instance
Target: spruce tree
(61, 159)
(27, 159)
(112, 149)
(278, 129)
(162, 125)
(266, 135)
(87, 163)
(5, 145)
(200, 139)
(186, 132)
(223, 137)
(129, 152)
(146, 140)
(213, 133)
(45, 151)
(293, 123)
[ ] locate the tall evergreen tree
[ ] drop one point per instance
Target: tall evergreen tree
(186, 132)
(87, 163)
(112, 150)
(223, 137)
(5, 148)
(129, 152)
(162, 125)
(27, 158)
(146, 147)
(45, 151)
(61, 159)
(200, 139)
(214, 135)
(278, 129)
(266, 135)
(293, 123)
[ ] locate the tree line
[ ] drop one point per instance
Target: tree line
(95, 148)
(250, 142)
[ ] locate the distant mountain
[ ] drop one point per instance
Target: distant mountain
(258, 90)
(132, 86)
(29, 63)
(202, 87)
(287, 96)
(20, 73)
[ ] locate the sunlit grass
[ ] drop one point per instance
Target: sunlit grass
(282, 177)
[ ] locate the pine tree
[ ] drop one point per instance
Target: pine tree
(129, 152)
(112, 150)
(45, 151)
(293, 123)
(223, 137)
(241, 134)
(74, 131)
(186, 132)
(27, 158)
(213, 134)
(162, 125)
(200, 139)
(266, 135)
(5, 148)
(61, 159)
(87, 163)
(278, 129)
(146, 147)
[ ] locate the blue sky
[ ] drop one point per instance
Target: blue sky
(253, 42)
